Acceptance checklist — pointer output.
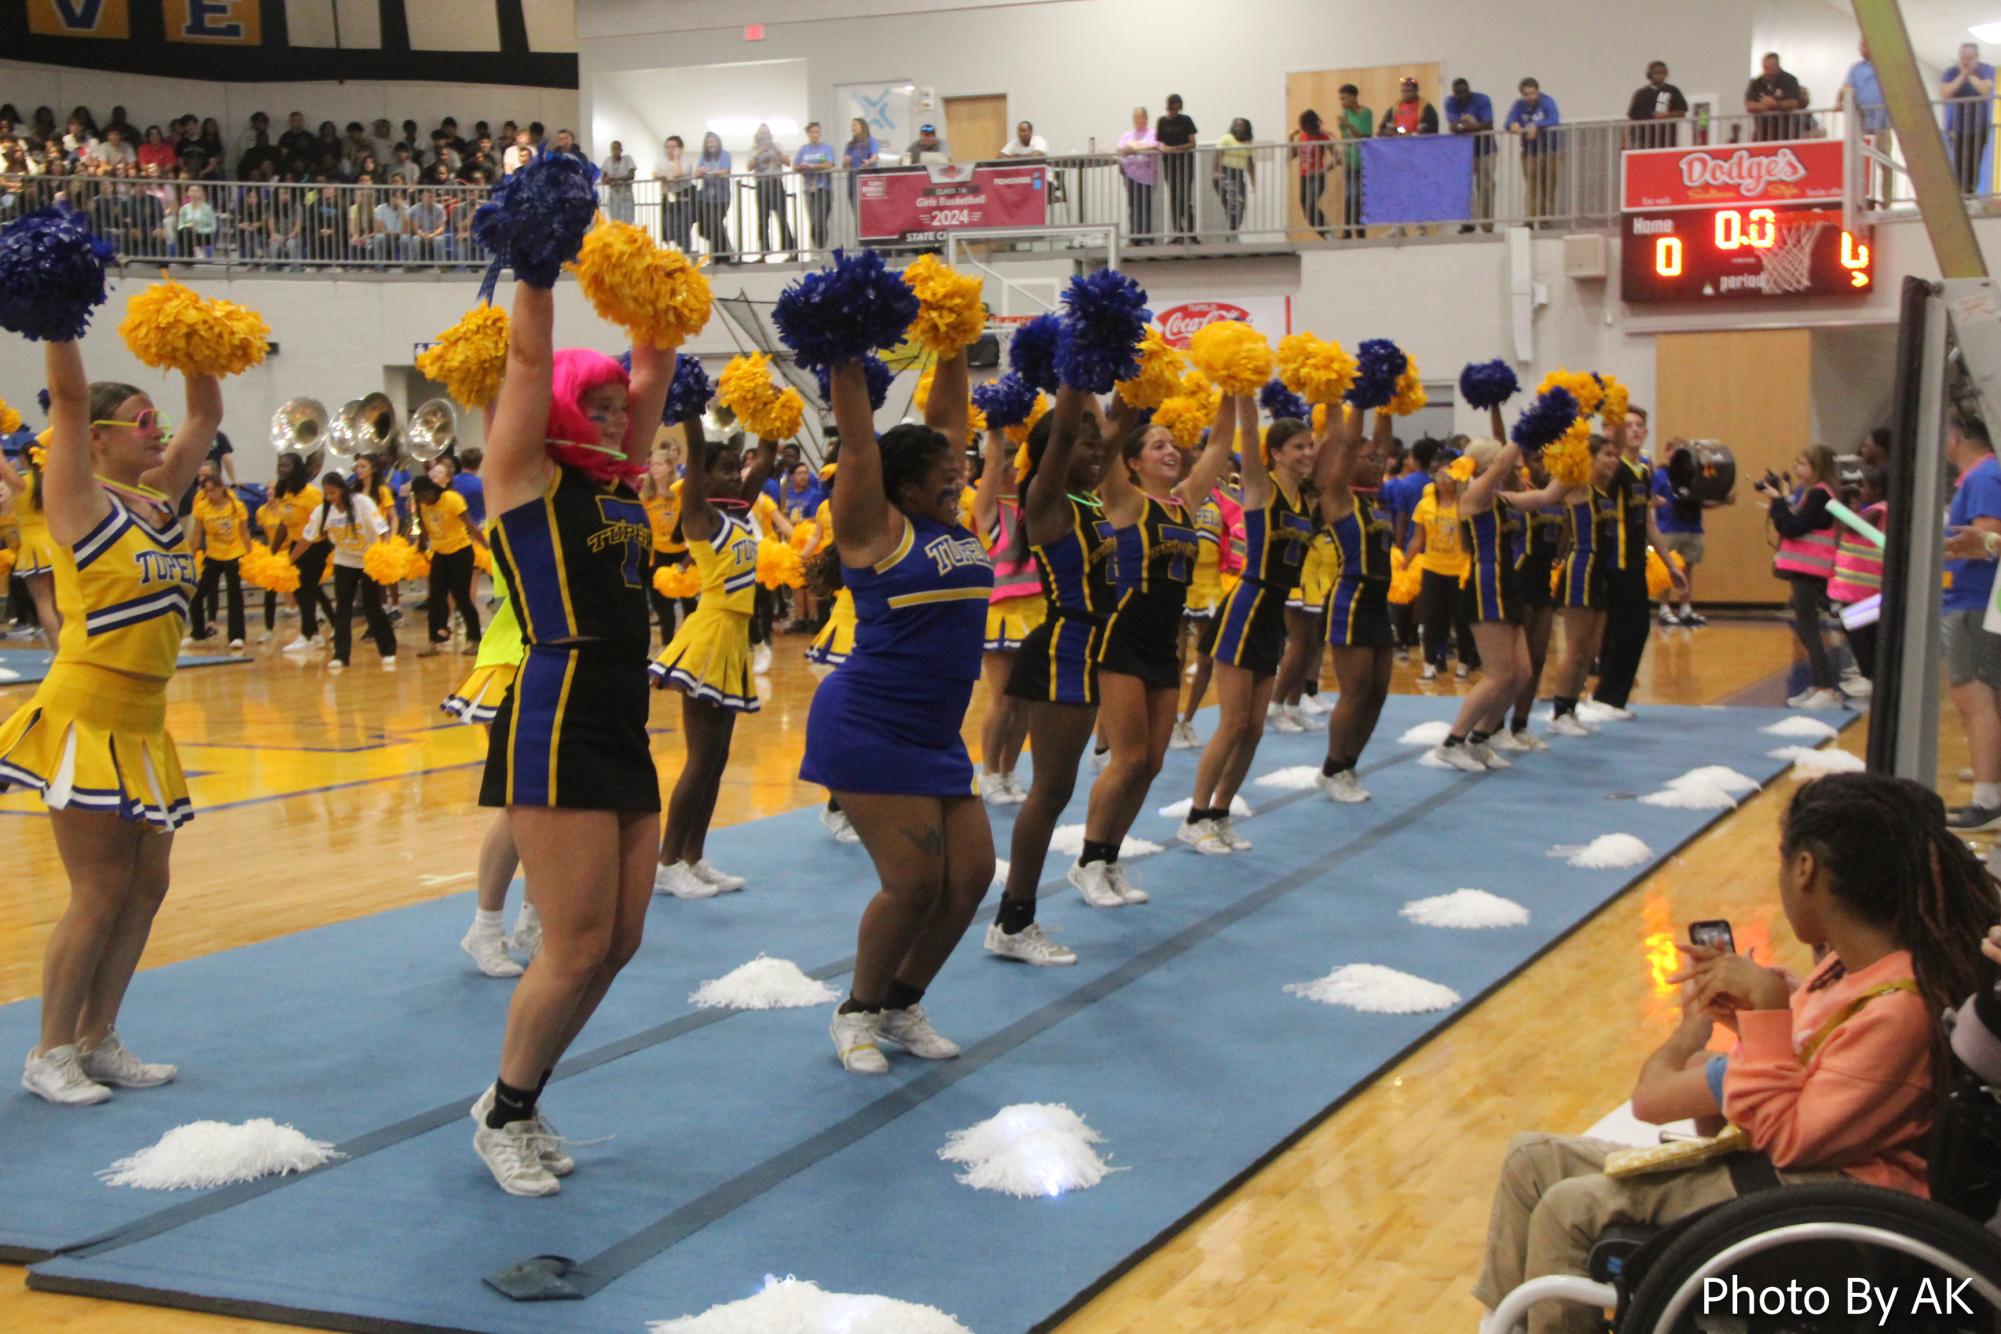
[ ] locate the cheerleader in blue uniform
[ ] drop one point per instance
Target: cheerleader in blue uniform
(93, 738)
(569, 757)
(1593, 517)
(883, 734)
(1538, 548)
(1151, 507)
(1349, 478)
(1055, 670)
(1247, 638)
(1496, 611)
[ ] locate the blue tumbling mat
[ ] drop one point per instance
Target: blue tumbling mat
(739, 1148)
(27, 666)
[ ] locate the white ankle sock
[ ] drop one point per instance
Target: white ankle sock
(1987, 794)
(482, 920)
(1687, 608)
(526, 917)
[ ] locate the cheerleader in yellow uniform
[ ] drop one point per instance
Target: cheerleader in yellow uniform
(93, 740)
(1017, 607)
(35, 559)
(709, 661)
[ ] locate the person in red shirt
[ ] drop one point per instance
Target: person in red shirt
(1312, 160)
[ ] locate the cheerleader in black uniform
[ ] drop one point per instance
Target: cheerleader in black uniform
(1538, 547)
(569, 757)
(1055, 670)
(884, 733)
(1495, 610)
(1349, 477)
(1247, 637)
(1151, 507)
(1593, 520)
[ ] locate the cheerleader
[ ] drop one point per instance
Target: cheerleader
(569, 759)
(884, 731)
(222, 536)
(1219, 526)
(709, 660)
(298, 500)
(1247, 637)
(352, 524)
(451, 537)
(1016, 609)
(367, 481)
(270, 518)
(1592, 517)
(1493, 606)
(1305, 634)
(660, 492)
(1349, 478)
(1150, 506)
(836, 639)
(1538, 549)
(93, 739)
(35, 562)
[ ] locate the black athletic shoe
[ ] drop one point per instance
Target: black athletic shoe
(1974, 818)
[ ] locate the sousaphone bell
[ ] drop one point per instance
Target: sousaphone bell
(432, 432)
(299, 428)
(364, 426)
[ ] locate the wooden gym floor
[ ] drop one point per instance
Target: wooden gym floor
(322, 798)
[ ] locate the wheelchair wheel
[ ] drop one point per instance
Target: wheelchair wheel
(1799, 1248)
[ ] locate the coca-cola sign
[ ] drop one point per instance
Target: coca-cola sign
(1179, 323)
(1791, 172)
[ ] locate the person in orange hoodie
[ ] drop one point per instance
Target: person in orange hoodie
(1833, 1077)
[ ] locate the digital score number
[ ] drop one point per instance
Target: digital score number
(1742, 253)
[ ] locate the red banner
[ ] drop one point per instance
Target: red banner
(923, 203)
(1791, 171)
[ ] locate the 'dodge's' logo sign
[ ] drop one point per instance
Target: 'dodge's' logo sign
(1179, 323)
(1745, 172)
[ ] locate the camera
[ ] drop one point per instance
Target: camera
(1771, 481)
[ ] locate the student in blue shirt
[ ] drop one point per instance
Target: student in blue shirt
(1972, 654)
(1678, 516)
(1400, 495)
(465, 481)
(860, 152)
(799, 496)
(815, 163)
(1969, 88)
(1468, 112)
(1534, 117)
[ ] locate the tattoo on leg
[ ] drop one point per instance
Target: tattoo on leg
(926, 839)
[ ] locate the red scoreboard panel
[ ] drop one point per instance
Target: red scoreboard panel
(1762, 250)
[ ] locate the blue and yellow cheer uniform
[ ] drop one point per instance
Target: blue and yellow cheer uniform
(1058, 662)
(1155, 566)
(1358, 611)
(1205, 588)
(1591, 527)
(836, 640)
(1490, 580)
(94, 736)
(571, 732)
(1538, 544)
(1317, 574)
(709, 657)
(1249, 631)
(890, 720)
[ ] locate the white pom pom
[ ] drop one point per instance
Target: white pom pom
(763, 984)
(794, 1306)
(1374, 989)
(1605, 852)
(1426, 734)
(1717, 775)
(204, 1154)
(1028, 1149)
(1178, 810)
(1799, 725)
(1811, 763)
(1691, 797)
(1466, 909)
(1295, 778)
(1068, 839)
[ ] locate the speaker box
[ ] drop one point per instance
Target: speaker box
(984, 354)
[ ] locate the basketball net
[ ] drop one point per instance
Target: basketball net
(1788, 260)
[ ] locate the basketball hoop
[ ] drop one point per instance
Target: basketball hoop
(1788, 261)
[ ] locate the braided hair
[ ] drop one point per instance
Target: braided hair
(1890, 859)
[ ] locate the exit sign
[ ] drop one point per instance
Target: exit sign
(753, 32)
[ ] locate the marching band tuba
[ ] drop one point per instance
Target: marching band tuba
(432, 432)
(299, 428)
(364, 426)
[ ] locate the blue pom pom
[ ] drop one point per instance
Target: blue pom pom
(1006, 401)
(1544, 420)
(1032, 352)
(535, 220)
(1378, 363)
(51, 275)
(688, 396)
(1105, 316)
(879, 375)
(1488, 384)
(1280, 402)
(844, 312)
(42, 397)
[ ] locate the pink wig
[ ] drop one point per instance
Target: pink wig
(577, 372)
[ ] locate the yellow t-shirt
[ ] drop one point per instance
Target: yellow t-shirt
(1443, 552)
(296, 510)
(663, 512)
(224, 527)
(762, 511)
(445, 524)
(1232, 154)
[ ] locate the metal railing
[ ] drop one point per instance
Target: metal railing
(1880, 186)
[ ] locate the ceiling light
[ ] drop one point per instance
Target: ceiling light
(1986, 32)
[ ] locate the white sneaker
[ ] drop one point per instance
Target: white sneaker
(1201, 835)
(760, 660)
(389, 663)
(725, 883)
(488, 949)
(1283, 719)
(336, 667)
(527, 937)
(855, 1037)
(993, 789)
(1457, 757)
(263, 636)
(235, 645)
(550, 1147)
(301, 644)
(680, 880)
(1313, 706)
(1182, 737)
(1566, 724)
(513, 1154)
(1427, 673)
(1795, 701)
(1344, 787)
(1821, 699)
(1484, 752)
(1227, 831)
(1461, 672)
(1857, 687)
(1098, 758)
(57, 1076)
(1029, 945)
(112, 1062)
(1016, 792)
(839, 826)
(1527, 740)
(1127, 890)
(1599, 713)
(911, 1030)
(1095, 885)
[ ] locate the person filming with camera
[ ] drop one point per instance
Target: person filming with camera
(1805, 560)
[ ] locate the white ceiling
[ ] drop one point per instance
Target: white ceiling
(1937, 27)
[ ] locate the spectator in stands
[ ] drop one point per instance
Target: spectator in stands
(566, 143)
(440, 176)
(1534, 117)
(110, 218)
(1771, 98)
(156, 151)
(1357, 122)
(261, 154)
(148, 219)
(325, 221)
(327, 150)
(518, 153)
(1175, 133)
(1139, 162)
(409, 134)
(1235, 172)
(363, 240)
(428, 237)
(78, 139)
(44, 127)
(113, 151)
(403, 170)
(859, 153)
(252, 222)
(449, 128)
(1468, 112)
(712, 170)
(297, 140)
(195, 224)
(1861, 95)
(1411, 114)
(392, 223)
(1969, 86)
(1026, 143)
(287, 226)
(444, 152)
(123, 124)
(354, 146)
(1656, 105)
(382, 140)
(926, 142)
(260, 124)
(768, 163)
(677, 194)
(615, 178)
(1310, 160)
(815, 163)
(1972, 654)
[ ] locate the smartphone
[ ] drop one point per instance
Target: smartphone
(1714, 933)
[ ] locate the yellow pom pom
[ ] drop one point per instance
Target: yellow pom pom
(469, 358)
(1658, 579)
(803, 534)
(10, 420)
(281, 575)
(416, 566)
(1019, 434)
(1233, 355)
(482, 559)
(1406, 582)
(1409, 396)
(1617, 402)
(1461, 469)
(386, 561)
(652, 292)
(687, 583)
(170, 327)
(6, 564)
(1160, 367)
(745, 386)
(950, 312)
(778, 418)
(1568, 458)
(663, 581)
(1581, 385)
(1315, 368)
(779, 566)
(1185, 419)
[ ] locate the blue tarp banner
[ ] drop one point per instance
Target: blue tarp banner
(1417, 178)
